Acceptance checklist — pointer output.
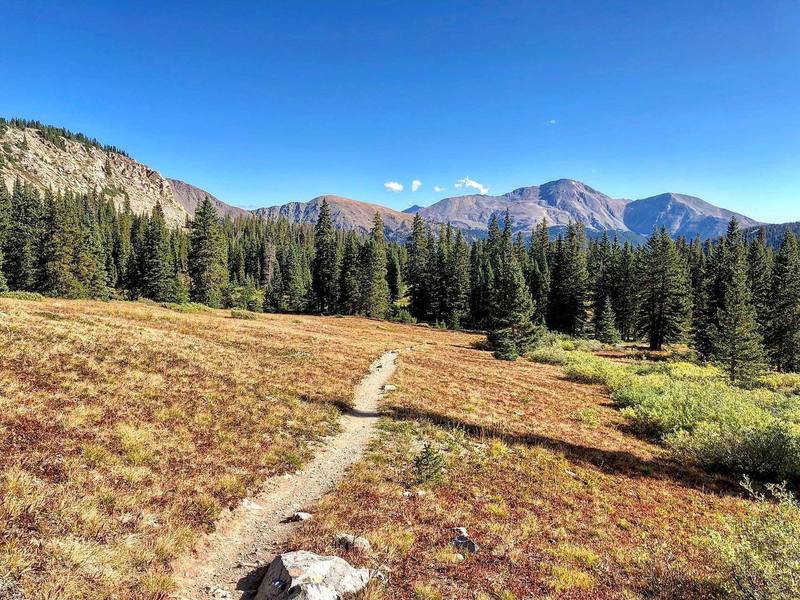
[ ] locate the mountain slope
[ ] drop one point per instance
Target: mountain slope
(345, 213)
(190, 197)
(681, 215)
(69, 165)
(558, 201)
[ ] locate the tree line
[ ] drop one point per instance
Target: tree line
(735, 300)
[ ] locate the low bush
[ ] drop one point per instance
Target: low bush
(550, 356)
(238, 313)
(586, 368)
(188, 307)
(787, 383)
(760, 553)
(17, 295)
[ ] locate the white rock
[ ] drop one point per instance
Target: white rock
(304, 575)
(300, 516)
(389, 388)
(350, 542)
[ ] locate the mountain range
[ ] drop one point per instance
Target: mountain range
(72, 164)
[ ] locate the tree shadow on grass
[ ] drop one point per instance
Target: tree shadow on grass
(612, 462)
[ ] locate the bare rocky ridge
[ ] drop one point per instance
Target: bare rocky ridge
(81, 168)
(231, 562)
(190, 197)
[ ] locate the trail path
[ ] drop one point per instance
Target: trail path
(230, 562)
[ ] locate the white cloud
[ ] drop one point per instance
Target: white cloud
(550, 122)
(471, 183)
(393, 186)
(438, 188)
(415, 185)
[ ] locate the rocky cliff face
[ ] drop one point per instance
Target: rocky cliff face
(81, 168)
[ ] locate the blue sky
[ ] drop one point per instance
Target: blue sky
(262, 103)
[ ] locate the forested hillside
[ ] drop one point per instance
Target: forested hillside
(734, 300)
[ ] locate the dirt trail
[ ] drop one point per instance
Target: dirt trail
(230, 562)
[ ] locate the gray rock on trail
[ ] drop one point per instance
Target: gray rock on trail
(462, 541)
(304, 575)
(350, 542)
(300, 516)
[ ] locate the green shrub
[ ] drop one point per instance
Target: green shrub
(550, 356)
(18, 295)
(585, 368)
(188, 307)
(238, 313)
(401, 315)
(429, 465)
(787, 383)
(760, 553)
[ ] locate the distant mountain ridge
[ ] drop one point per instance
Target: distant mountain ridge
(54, 158)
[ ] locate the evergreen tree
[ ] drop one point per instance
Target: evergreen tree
(350, 276)
(374, 287)
(511, 306)
(664, 302)
(156, 269)
(294, 282)
(325, 269)
(207, 264)
(605, 324)
(783, 330)
(570, 283)
(23, 238)
(418, 268)
(625, 292)
(735, 339)
(539, 270)
(5, 209)
(759, 279)
(394, 274)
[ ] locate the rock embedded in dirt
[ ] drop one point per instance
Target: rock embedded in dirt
(300, 516)
(348, 541)
(462, 541)
(304, 575)
(389, 388)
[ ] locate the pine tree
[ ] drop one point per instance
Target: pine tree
(418, 267)
(625, 292)
(156, 269)
(5, 209)
(23, 238)
(605, 324)
(374, 287)
(735, 341)
(325, 268)
(273, 294)
(570, 283)
(458, 282)
(664, 303)
(294, 282)
(511, 306)
(783, 331)
(394, 274)
(539, 270)
(350, 276)
(481, 285)
(207, 265)
(759, 279)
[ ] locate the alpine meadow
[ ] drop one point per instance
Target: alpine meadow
(509, 386)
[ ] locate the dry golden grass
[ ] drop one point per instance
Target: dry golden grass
(564, 501)
(126, 428)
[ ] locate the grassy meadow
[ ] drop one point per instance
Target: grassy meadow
(125, 428)
(565, 495)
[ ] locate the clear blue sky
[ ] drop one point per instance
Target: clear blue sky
(266, 102)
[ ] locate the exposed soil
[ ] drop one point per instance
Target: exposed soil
(230, 562)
